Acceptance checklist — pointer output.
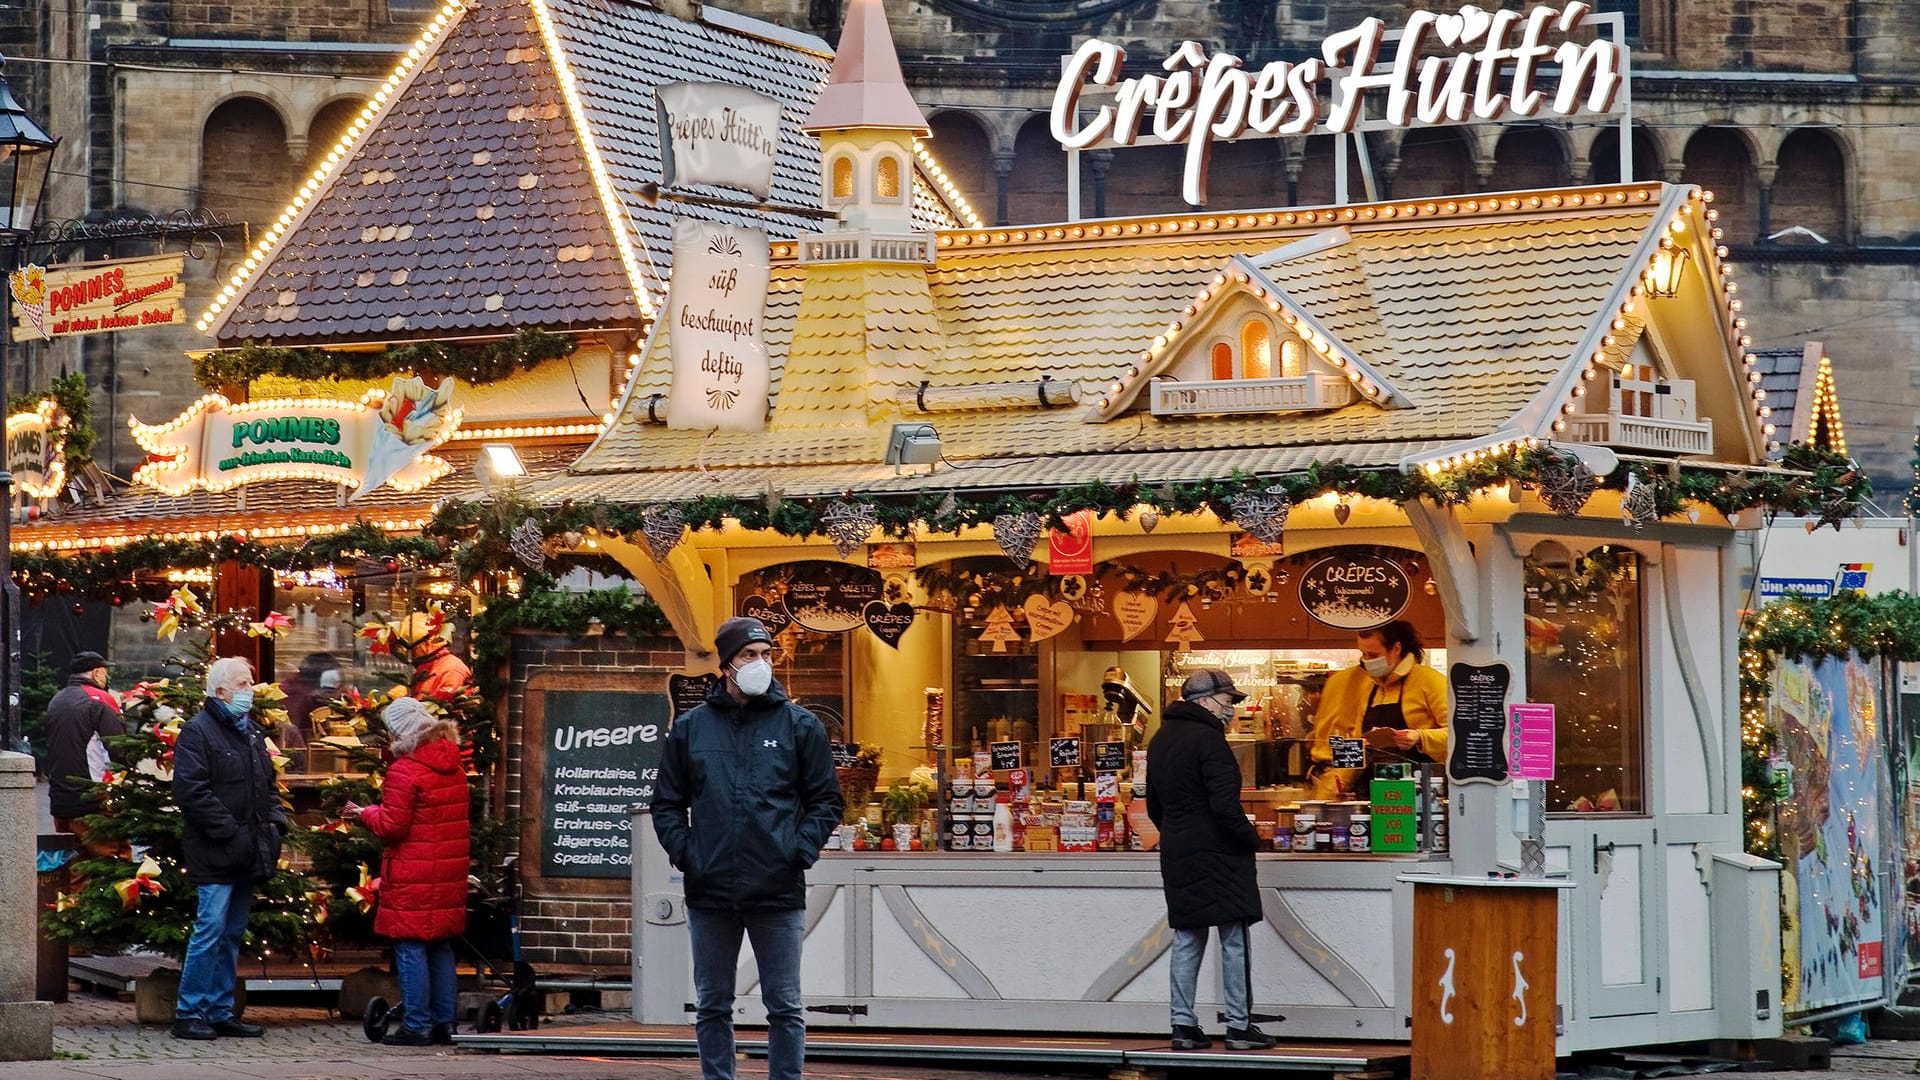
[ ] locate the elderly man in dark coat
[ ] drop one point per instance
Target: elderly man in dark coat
(1206, 855)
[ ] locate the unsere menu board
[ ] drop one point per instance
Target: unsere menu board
(602, 758)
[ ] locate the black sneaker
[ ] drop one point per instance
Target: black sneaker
(231, 1028)
(406, 1037)
(1190, 1038)
(194, 1028)
(1250, 1038)
(441, 1035)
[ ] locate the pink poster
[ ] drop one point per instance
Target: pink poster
(1530, 741)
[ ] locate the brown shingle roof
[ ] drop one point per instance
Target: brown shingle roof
(469, 207)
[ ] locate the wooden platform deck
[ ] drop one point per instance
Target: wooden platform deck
(1321, 1058)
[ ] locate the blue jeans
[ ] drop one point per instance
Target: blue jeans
(1236, 973)
(716, 958)
(213, 953)
(429, 984)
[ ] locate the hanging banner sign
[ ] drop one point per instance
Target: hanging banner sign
(381, 439)
(717, 133)
(714, 308)
(1468, 67)
(1071, 552)
(97, 297)
(36, 450)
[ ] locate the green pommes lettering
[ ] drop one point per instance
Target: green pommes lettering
(324, 431)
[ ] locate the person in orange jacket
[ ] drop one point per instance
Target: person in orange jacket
(422, 639)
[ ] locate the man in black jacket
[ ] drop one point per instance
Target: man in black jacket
(747, 797)
(1206, 855)
(233, 823)
(78, 715)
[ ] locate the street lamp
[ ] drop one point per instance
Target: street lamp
(26, 157)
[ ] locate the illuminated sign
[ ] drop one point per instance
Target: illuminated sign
(36, 450)
(1468, 67)
(381, 439)
(97, 298)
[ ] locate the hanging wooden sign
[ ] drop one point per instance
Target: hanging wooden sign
(97, 297)
(721, 377)
(717, 133)
(1355, 590)
(1135, 612)
(830, 597)
(1046, 618)
(888, 622)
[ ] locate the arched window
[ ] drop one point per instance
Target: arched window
(1717, 158)
(244, 168)
(1293, 360)
(842, 174)
(1810, 189)
(1256, 350)
(1528, 158)
(1222, 360)
(886, 178)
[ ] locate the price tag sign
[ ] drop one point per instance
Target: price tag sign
(1065, 753)
(1006, 755)
(845, 755)
(1348, 753)
(1110, 756)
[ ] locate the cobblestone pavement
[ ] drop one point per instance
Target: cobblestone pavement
(96, 1038)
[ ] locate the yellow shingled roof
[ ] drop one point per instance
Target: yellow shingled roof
(1469, 313)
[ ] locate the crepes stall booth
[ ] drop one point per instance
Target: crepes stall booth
(1003, 489)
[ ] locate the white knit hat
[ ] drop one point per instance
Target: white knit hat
(409, 723)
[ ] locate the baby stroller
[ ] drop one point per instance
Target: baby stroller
(493, 934)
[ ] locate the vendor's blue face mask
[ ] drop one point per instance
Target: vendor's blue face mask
(242, 704)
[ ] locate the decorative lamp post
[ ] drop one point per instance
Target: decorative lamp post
(26, 157)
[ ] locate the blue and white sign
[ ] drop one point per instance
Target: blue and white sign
(1774, 588)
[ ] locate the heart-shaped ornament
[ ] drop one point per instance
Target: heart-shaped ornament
(1474, 24)
(1135, 610)
(889, 622)
(1044, 618)
(1447, 28)
(773, 615)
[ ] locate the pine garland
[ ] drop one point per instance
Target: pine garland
(477, 364)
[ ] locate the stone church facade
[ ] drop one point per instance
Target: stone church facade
(1796, 115)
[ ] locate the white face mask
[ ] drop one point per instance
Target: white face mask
(1377, 666)
(754, 677)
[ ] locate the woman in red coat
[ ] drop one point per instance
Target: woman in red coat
(422, 819)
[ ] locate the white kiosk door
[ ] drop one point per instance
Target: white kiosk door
(1618, 909)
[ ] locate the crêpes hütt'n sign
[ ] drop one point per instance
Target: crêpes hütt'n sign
(1465, 67)
(381, 439)
(717, 133)
(97, 297)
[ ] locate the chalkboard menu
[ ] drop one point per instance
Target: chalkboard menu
(1477, 740)
(1109, 756)
(688, 692)
(1065, 752)
(602, 757)
(828, 597)
(1348, 753)
(1006, 755)
(845, 755)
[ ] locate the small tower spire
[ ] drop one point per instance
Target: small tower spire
(866, 120)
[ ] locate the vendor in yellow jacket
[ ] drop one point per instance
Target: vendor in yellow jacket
(1392, 700)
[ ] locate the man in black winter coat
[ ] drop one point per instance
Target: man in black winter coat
(76, 717)
(747, 797)
(1206, 855)
(232, 823)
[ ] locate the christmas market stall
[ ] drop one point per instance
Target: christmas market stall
(1003, 489)
(450, 306)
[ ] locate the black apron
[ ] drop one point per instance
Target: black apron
(1392, 716)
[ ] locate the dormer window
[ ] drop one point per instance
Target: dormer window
(1250, 366)
(1636, 409)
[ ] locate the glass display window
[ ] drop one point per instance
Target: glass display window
(1585, 656)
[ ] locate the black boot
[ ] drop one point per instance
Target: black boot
(194, 1028)
(1249, 1038)
(441, 1035)
(1190, 1038)
(406, 1037)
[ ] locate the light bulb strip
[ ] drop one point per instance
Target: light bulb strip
(221, 307)
(619, 220)
(23, 540)
(951, 193)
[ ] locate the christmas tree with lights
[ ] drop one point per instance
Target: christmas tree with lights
(142, 898)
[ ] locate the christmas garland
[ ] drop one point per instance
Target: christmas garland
(1815, 483)
(476, 364)
(1802, 628)
(1590, 574)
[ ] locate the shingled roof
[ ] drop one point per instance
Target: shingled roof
(1482, 321)
(1800, 391)
(472, 204)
